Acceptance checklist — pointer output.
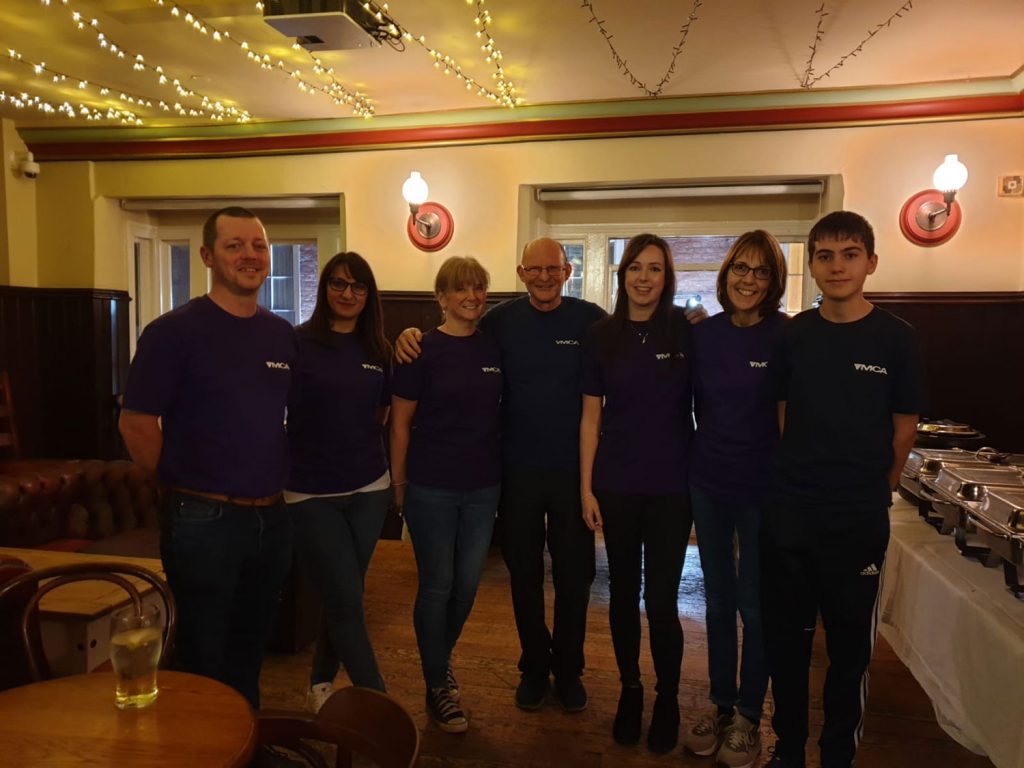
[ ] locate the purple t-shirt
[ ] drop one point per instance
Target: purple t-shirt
(646, 421)
(737, 418)
(456, 383)
(336, 442)
(220, 384)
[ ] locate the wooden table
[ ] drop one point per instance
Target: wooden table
(75, 618)
(195, 722)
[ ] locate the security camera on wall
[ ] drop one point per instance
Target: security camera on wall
(24, 164)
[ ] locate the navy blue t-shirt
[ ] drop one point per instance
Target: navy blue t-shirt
(220, 384)
(842, 382)
(456, 383)
(541, 359)
(646, 420)
(737, 416)
(337, 444)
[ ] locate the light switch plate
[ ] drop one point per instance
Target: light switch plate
(1011, 186)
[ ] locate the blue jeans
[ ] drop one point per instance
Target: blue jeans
(726, 589)
(451, 533)
(225, 564)
(334, 539)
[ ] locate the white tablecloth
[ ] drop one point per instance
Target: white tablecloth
(960, 632)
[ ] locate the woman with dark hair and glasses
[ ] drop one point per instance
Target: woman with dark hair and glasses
(339, 488)
(634, 439)
(730, 474)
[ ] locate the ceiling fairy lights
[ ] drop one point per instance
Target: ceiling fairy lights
(25, 100)
(503, 92)
(359, 102)
(210, 107)
(623, 65)
(809, 78)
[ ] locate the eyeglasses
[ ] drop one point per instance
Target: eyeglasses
(339, 284)
(549, 271)
(741, 268)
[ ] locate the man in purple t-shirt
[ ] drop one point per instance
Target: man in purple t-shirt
(204, 409)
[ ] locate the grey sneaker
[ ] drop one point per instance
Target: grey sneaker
(318, 694)
(706, 736)
(741, 744)
(452, 684)
(445, 712)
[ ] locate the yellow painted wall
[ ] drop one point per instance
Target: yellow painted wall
(18, 247)
(880, 167)
(67, 224)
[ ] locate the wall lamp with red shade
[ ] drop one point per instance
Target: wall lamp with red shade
(430, 226)
(932, 216)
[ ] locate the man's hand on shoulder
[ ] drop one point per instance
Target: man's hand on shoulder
(407, 345)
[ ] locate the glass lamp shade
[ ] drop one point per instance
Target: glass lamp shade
(951, 175)
(415, 189)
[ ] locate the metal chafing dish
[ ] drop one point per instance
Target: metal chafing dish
(999, 523)
(957, 489)
(927, 463)
(944, 433)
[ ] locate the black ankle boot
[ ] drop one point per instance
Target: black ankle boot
(629, 715)
(663, 735)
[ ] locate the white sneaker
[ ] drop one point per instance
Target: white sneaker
(741, 744)
(318, 694)
(705, 737)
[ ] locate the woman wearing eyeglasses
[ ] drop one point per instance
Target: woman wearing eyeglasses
(339, 488)
(634, 437)
(730, 468)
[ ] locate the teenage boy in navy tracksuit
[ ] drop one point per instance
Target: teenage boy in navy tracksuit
(850, 385)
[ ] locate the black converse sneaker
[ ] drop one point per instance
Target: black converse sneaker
(452, 684)
(445, 712)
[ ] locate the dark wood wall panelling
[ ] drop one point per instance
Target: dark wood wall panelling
(973, 348)
(419, 309)
(66, 351)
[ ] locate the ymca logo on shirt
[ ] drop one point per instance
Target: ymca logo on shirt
(668, 355)
(278, 366)
(869, 368)
(758, 363)
(371, 367)
(490, 369)
(567, 342)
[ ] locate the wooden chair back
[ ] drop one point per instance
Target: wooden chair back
(10, 448)
(59, 575)
(360, 721)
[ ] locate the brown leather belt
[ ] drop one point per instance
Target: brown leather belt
(239, 501)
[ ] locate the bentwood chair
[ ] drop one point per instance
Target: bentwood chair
(20, 596)
(359, 721)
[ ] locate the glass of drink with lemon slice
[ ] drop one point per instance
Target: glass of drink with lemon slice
(136, 639)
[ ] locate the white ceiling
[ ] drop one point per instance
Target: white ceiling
(551, 49)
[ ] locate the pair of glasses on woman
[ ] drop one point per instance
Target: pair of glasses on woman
(742, 269)
(339, 284)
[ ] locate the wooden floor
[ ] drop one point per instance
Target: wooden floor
(900, 727)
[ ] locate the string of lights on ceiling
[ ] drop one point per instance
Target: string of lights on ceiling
(211, 107)
(361, 105)
(61, 78)
(623, 64)
(504, 92)
(25, 100)
(809, 78)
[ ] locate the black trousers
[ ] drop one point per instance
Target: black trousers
(830, 562)
(539, 506)
(646, 537)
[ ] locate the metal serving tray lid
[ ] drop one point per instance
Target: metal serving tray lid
(969, 483)
(928, 461)
(1003, 506)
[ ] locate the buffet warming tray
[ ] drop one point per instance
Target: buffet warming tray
(927, 463)
(955, 489)
(998, 520)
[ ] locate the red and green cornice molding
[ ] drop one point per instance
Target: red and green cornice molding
(709, 114)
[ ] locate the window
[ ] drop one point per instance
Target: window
(290, 289)
(574, 256)
(179, 274)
